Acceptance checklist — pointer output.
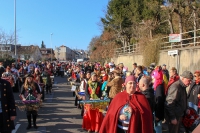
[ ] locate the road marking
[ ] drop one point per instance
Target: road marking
(41, 130)
(16, 128)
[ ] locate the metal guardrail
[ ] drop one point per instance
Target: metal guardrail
(186, 40)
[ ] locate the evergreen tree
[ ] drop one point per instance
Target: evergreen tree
(43, 45)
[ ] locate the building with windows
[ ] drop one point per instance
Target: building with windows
(31, 52)
(64, 53)
(47, 54)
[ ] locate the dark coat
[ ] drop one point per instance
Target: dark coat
(8, 105)
(193, 92)
(149, 94)
(159, 101)
(176, 101)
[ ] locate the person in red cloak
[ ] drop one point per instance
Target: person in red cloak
(129, 112)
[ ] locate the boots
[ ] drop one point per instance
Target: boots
(29, 122)
(34, 121)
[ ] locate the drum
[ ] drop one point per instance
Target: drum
(191, 120)
(95, 104)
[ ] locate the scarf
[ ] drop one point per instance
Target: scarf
(197, 81)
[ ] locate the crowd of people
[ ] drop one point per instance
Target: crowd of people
(140, 99)
(137, 100)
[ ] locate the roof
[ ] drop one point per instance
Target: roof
(27, 49)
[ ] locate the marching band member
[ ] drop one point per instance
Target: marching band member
(30, 90)
(7, 107)
(93, 118)
(7, 75)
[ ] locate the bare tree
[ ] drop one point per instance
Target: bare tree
(5, 39)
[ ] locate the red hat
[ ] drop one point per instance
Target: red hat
(129, 78)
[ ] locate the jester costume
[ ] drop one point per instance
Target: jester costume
(92, 118)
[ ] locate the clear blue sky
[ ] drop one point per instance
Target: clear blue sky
(73, 22)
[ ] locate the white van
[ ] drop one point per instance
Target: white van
(79, 60)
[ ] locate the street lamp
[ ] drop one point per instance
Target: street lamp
(15, 31)
(51, 46)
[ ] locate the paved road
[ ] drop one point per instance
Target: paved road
(57, 115)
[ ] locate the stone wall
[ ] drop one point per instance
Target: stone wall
(187, 59)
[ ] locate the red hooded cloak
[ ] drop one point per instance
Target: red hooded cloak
(141, 120)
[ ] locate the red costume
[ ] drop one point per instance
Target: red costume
(141, 120)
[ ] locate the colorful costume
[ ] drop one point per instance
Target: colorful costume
(92, 118)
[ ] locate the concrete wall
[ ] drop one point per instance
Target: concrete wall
(188, 59)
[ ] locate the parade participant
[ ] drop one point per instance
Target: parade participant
(104, 85)
(7, 75)
(80, 90)
(194, 93)
(93, 88)
(48, 84)
(15, 74)
(129, 112)
(2, 69)
(38, 79)
(115, 84)
(88, 75)
(176, 102)
(110, 78)
(22, 73)
(30, 90)
(7, 107)
(111, 66)
(92, 119)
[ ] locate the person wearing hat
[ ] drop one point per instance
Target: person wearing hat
(176, 101)
(92, 118)
(129, 112)
(30, 88)
(115, 84)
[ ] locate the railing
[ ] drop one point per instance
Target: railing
(186, 40)
(127, 50)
